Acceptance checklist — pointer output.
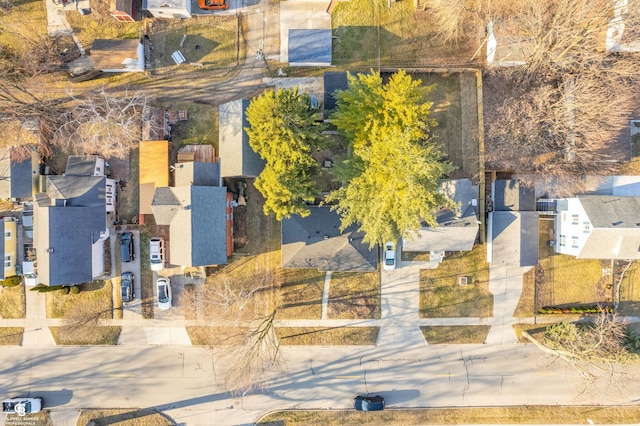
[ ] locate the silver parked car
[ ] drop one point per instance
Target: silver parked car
(163, 286)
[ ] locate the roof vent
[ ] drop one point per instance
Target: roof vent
(326, 237)
(617, 223)
(49, 250)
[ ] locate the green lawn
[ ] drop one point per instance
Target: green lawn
(459, 334)
(442, 297)
(354, 295)
(332, 336)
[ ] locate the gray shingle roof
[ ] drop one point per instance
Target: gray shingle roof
(16, 176)
(616, 227)
(511, 195)
(197, 174)
(81, 165)
(316, 242)
(197, 219)
(333, 81)
(165, 205)
(86, 191)
(454, 233)
(236, 156)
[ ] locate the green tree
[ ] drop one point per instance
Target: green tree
(395, 167)
(284, 133)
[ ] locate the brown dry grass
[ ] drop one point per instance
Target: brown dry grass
(12, 302)
(123, 417)
(97, 295)
(11, 335)
(107, 335)
(213, 336)
(526, 303)
(530, 414)
(327, 336)
(99, 24)
(354, 295)
(442, 297)
(299, 295)
(458, 334)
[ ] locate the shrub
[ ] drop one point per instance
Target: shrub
(75, 289)
(42, 288)
(11, 281)
(64, 290)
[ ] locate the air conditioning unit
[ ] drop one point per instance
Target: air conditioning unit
(463, 281)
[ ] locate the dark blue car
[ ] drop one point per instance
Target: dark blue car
(368, 403)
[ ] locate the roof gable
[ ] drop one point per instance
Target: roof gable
(315, 241)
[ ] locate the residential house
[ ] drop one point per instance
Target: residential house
(168, 8)
(199, 215)
(70, 229)
(9, 247)
(119, 55)
(18, 173)
(237, 158)
(598, 227)
(316, 242)
(455, 231)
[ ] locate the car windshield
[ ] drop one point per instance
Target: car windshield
(162, 293)
(389, 261)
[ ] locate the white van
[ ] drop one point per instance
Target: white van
(156, 253)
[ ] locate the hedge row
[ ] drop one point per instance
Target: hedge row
(595, 309)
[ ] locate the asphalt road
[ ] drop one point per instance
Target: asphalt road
(188, 383)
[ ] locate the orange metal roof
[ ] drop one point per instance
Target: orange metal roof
(154, 171)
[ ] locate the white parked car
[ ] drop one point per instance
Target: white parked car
(163, 286)
(156, 253)
(389, 256)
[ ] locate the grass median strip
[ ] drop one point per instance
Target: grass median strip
(530, 414)
(455, 334)
(123, 417)
(331, 336)
(86, 335)
(11, 335)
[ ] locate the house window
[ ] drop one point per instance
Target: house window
(587, 228)
(562, 241)
(574, 242)
(7, 261)
(575, 219)
(7, 234)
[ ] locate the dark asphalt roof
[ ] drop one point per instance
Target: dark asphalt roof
(197, 174)
(315, 241)
(333, 81)
(16, 176)
(511, 195)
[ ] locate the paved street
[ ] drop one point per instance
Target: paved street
(184, 382)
